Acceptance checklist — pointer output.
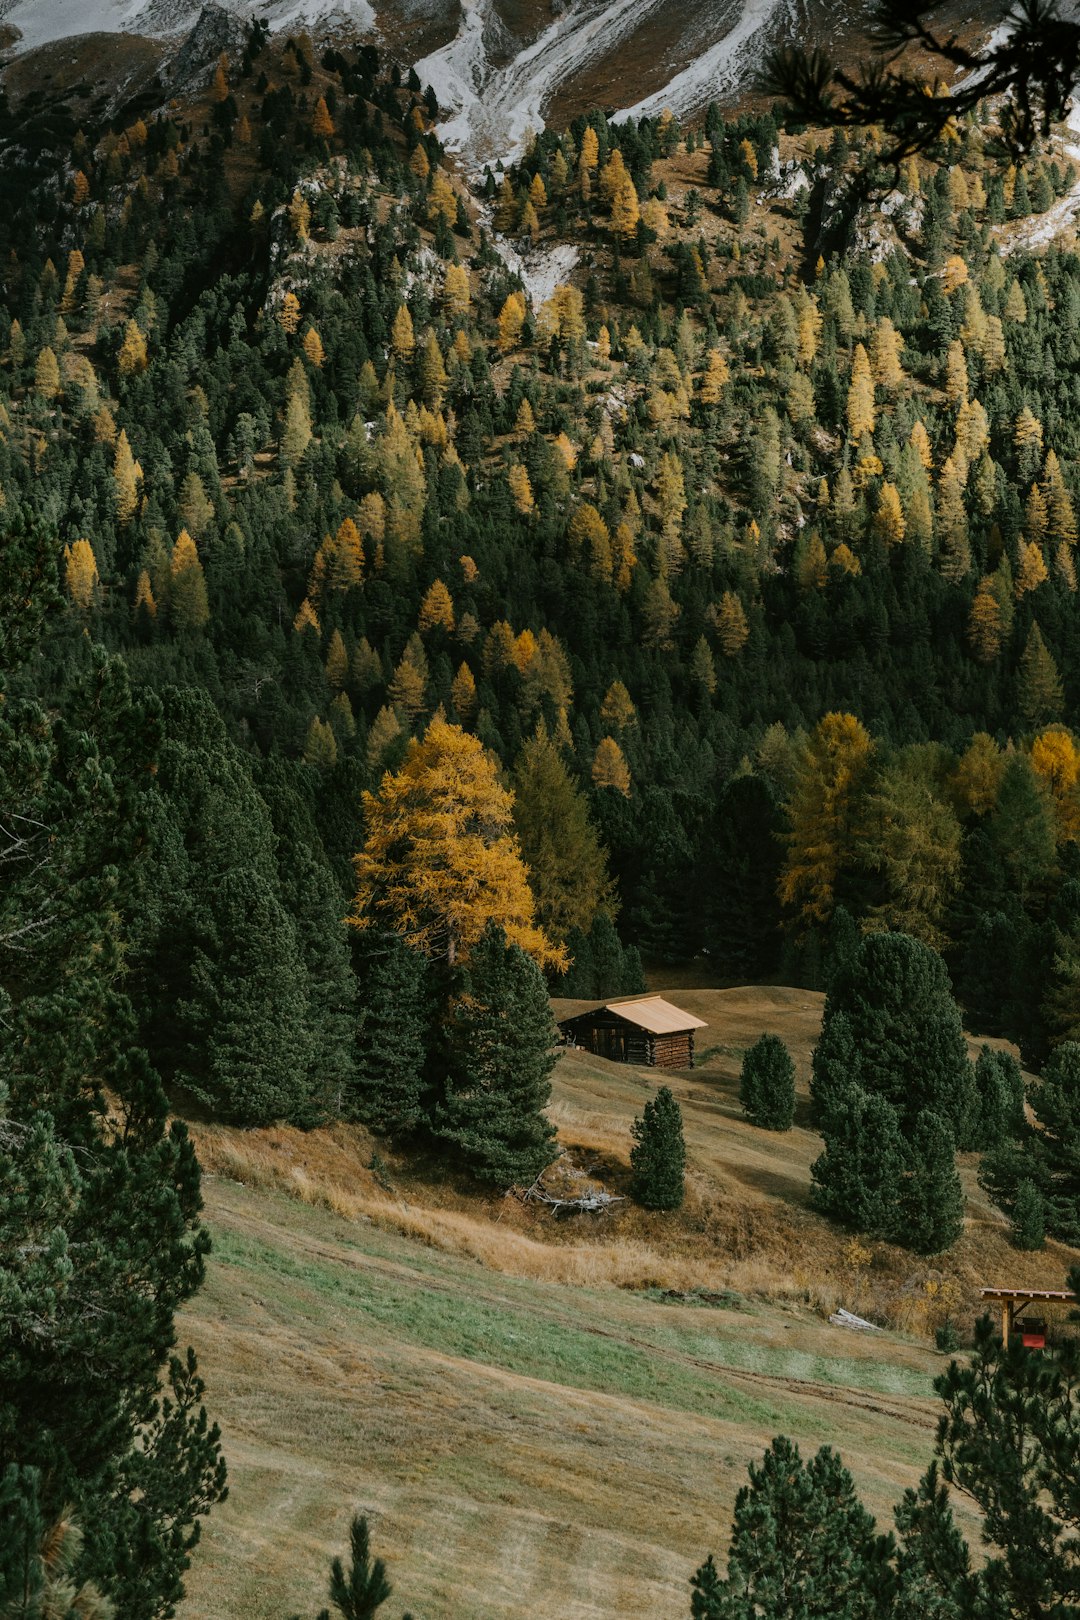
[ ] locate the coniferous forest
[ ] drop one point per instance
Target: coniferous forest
(394, 637)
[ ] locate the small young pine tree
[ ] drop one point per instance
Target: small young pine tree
(658, 1157)
(802, 1545)
(767, 1084)
(1029, 1217)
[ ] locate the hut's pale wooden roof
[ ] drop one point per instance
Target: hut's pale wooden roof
(653, 1013)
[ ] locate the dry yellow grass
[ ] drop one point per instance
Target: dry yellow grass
(543, 1415)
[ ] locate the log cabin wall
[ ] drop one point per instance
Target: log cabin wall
(608, 1036)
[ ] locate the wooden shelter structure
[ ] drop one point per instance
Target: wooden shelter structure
(647, 1030)
(1015, 1300)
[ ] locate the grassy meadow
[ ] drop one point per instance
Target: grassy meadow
(545, 1416)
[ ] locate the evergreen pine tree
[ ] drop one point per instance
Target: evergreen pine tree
(393, 1033)
(658, 1157)
(246, 1021)
(859, 1179)
(931, 1210)
(497, 1062)
(99, 1202)
(902, 1037)
(999, 1093)
(1046, 1155)
(559, 844)
(1028, 1217)
(314, 904)
(767, 1084)
(803, 1547)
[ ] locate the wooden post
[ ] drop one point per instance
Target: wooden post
(1006, 1321)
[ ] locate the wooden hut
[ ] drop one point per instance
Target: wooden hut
(648, 1031)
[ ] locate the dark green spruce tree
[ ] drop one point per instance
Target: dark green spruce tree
(767, 1084)
(902, 1037)
(1046, 1155)
(658, 1156)
(803, 1547)
(388, 1091)
(495, 1066)
(224, 999)
(313, 901)
(100, 1238)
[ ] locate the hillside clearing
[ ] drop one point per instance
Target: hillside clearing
(374, 1336)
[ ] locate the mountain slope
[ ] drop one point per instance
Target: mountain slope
(501, 68)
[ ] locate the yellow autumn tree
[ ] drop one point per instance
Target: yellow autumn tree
(47, 374)
(625, 211)
(125, 479)
(440, 860)
(521, 489)
(337, 661)
(1055, 760)
(402, 336)
(609, 767)
(322, 125)
(81, 575)
(188, 602)
(289, 314)
(732, 628)
(861, 415)
(456, 293)
(889, 524)
(511, 321)
(463, 692)
(885, 355)
(1031, 571)
(132, 357)
(313, 347)
(985, 630)
(437, 608)
(823, 811)
(714, 379)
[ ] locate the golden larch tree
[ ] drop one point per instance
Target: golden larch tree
(609, 767)
(456, 293)
(617, 711)
(823, 812)
(337, 661)
(125, 479)
(715, 378)
(985, 631)
(521, 490)
(437, 608)
(132, 358)
(47, 374)
(1055, 760)
(732, 628)
(861, 414)
(313, 348)
(463, 693)
(1031, 569)
(320, 748)
(440, 860)
(81, 575)
(322, 125)
(188, 602)
(889, 523)
(402, 336)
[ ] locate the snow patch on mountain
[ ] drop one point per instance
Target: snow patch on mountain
(715, 70)
(487, 111)
(40, 22)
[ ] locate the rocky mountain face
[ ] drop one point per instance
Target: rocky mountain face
(501, 68)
